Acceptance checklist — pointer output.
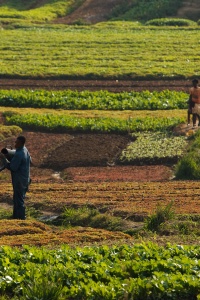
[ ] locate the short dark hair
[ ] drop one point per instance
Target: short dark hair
(22, 139)
(195, 81)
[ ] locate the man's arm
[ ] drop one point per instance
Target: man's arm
(3, 162)
(15, 162)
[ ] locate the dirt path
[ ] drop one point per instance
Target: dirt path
(95, 85)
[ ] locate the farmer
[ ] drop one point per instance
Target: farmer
(195, 97)
(189, 111)
(20, 174)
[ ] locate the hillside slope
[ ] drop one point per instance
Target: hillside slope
(91, 11)
(190, 9)
(26, 4)
(88, 11)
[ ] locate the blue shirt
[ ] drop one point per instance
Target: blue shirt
(20, 167)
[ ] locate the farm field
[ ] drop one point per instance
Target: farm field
(107, 218)
(133, 259)
(77, 159)
(77, 171)
(63, 52)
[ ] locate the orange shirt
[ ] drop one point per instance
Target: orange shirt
(195, 93)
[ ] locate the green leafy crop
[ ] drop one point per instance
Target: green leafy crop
(142, 271)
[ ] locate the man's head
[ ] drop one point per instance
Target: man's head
(20, 141)
(195, 82)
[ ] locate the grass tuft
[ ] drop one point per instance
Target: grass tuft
(90, 217)
(161, 215)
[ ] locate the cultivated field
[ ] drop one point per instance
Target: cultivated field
(104, 111)
(74, 52)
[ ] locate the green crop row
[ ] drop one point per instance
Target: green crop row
(100, 100)
(109, 50)
(63, 123)
(153, 147)
(142, 271)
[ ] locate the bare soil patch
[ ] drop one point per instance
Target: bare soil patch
(120, 173)
(91, 12)
(96, 85)
(84, 157)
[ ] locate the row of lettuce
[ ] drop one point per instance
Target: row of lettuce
(100, 100)
(142, 271)
(63, 123)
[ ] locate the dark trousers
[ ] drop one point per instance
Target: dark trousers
(19, 193)
(195, 117)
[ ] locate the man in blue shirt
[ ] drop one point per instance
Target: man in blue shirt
(20, 173)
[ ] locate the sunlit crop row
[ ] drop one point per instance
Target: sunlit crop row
(99, 52)
(119, 272)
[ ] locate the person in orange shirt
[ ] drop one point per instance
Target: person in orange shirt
(195, 97)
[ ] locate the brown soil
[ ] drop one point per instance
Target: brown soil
(95, 85)
(84, 157)
(91, 12)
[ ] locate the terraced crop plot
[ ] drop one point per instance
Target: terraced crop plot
(122, 198)
(78, 170)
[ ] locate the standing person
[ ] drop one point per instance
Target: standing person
(20, 173)
(189, 111)
(195, 97)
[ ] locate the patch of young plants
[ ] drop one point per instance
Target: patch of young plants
(51, 122)
(154, 148)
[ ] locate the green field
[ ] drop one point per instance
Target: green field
(33, 47)
(119, 272)
(116, 50)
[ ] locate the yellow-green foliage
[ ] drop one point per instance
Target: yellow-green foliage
(188, 166)
(100, 52)
(8, 131)
(15, 10)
